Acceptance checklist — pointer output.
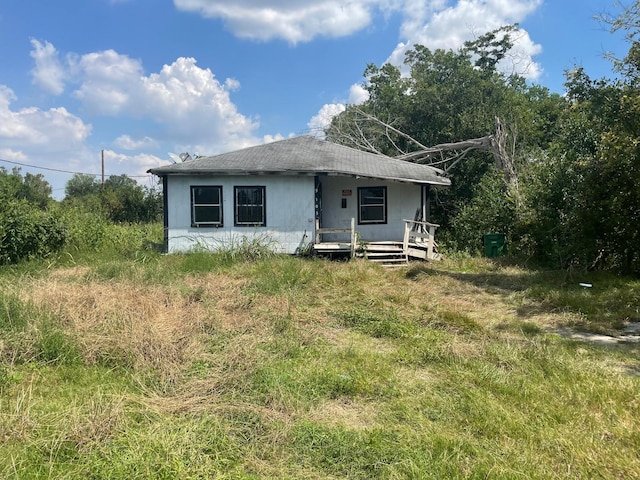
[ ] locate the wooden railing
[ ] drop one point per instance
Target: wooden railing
(351, 231)
(420, 233)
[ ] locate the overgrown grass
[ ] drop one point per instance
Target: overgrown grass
(206, 365)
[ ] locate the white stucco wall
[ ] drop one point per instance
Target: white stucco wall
(290, 213)
(402, 201)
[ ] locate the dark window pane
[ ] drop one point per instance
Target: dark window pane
(207, 214)
(210, 195)
(250, 214)
(372, 214)
(371, 196)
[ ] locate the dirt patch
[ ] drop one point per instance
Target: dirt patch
(629, 334)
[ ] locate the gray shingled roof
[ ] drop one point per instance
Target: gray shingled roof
(306, 155)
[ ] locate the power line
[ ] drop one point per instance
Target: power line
(63, 171)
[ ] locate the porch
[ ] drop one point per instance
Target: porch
(418, 243)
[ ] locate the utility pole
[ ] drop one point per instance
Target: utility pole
(102, 155)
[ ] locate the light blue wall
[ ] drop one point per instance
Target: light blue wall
(403, 199)
(290, 206)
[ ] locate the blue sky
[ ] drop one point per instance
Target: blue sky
(141, 78)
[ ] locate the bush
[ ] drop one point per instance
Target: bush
(28, 232)
(490, 211)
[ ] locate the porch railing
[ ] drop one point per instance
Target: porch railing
(421, 234)
(351, 231)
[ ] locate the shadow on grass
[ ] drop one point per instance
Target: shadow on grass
(603, 302)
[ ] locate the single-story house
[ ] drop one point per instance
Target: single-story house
(296, 194)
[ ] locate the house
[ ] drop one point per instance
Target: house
(297, 194)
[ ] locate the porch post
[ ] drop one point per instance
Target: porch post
(426, 203)
(353, 237)
(432, 239)
(405, 241)
(318, 209)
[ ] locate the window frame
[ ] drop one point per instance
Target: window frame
(196, 224)
(236, 205)
(383, 204)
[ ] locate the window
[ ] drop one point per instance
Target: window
(372, 205)
(250, 206)
(206, 206)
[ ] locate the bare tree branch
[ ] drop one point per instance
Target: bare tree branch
(359, 130)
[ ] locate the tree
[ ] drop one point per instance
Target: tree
(121, 200)
(456, 111)
(81, 185)
(36, 190)
(10, 184)
(32, 188)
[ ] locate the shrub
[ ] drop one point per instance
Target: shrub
(490, 211)
(28, 232)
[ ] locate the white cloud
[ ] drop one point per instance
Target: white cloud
(272, 138)
(319, 122)
(14, 155)
(357, 94)
(322, 120)
(298, 21)
(108, 81)
(51, 138)
(448, 27)
(135, 165)
(125, 142)
(48, 72)
(443, 24)
(194, 108)
(53, 130)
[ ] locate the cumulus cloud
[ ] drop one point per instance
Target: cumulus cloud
(54, 137)
(436, 25)
(357, 94)
(322, 120)
(52, 130)
(48, 72)
(188, 101)
(298, 21)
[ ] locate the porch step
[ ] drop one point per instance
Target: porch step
(383, 248)
(387, 254)
(382, 254)
(387, 261)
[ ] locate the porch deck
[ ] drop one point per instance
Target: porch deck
(418, 243)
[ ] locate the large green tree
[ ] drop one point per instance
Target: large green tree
(32, 187)
(453, 96)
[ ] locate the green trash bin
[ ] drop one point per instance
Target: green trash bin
(495, 245)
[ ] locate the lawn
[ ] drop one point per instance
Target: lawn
(211, 366)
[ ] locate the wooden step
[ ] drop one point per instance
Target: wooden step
(387, 260)
(382, 248)
(383, 254)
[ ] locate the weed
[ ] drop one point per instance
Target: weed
(282, 274)
(382, 324)
(14, 314)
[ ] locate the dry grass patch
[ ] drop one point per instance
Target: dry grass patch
(148, 327)
(347, 413)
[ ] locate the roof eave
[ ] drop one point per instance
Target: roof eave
(440, 181)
